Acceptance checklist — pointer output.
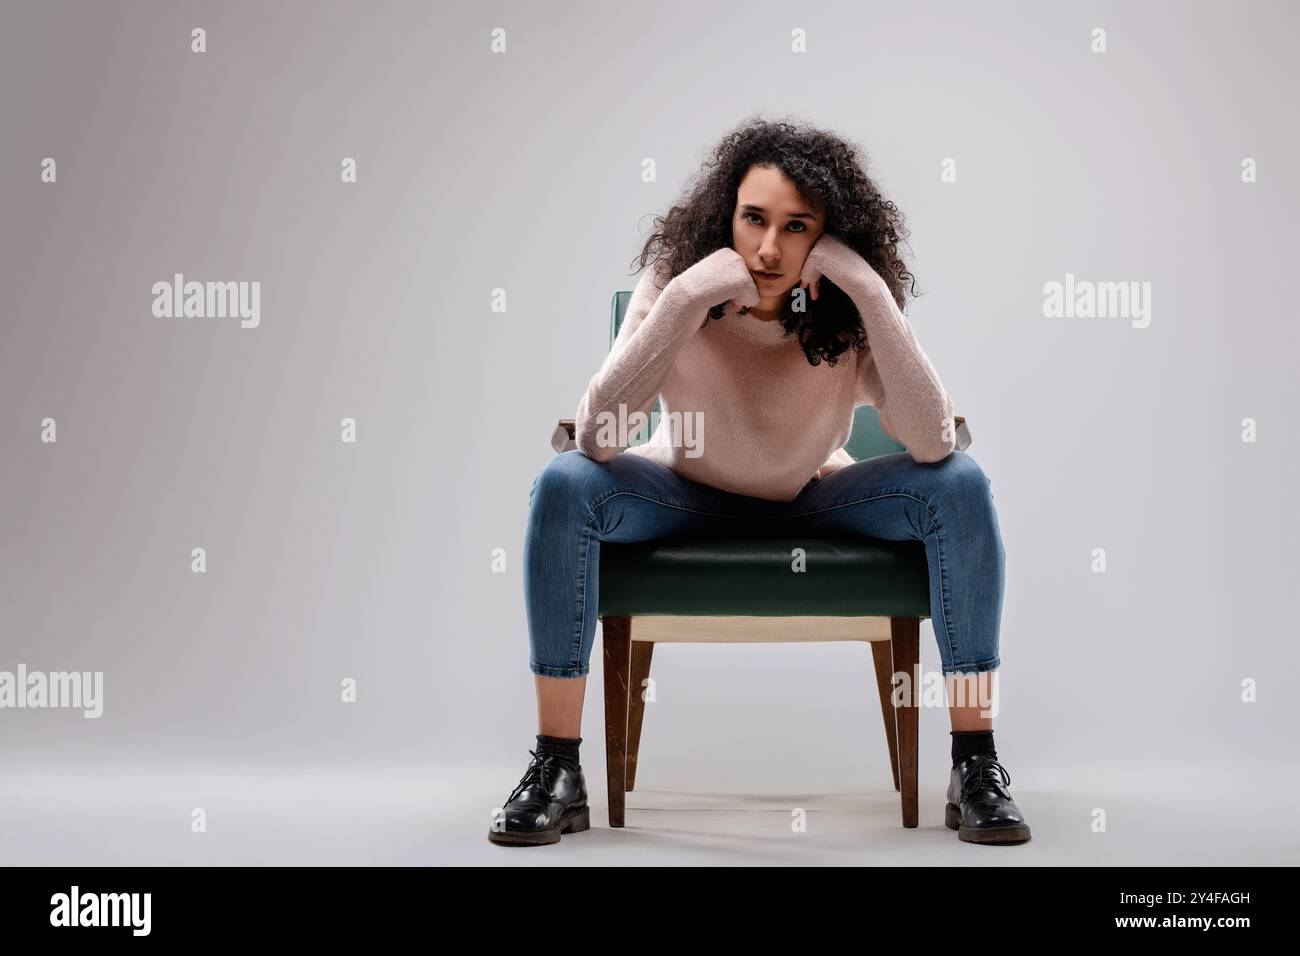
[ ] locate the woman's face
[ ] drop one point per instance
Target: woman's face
(773, 229)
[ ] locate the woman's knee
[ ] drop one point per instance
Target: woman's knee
(961, 482)
(571, 476)
(961, 498)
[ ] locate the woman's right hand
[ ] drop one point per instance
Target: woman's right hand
(721, 276)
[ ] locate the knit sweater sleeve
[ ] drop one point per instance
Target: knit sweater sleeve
(895, 375)
(657, 324)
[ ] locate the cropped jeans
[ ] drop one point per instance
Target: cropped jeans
(577, 502)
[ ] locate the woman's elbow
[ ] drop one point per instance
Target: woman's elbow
(933, 451)
(587, 442)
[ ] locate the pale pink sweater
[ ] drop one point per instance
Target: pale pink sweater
(771, 422)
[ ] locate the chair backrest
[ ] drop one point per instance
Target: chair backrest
(867, 440)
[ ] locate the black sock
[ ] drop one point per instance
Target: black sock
(967, 742)
(564, 748)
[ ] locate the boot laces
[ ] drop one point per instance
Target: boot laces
(541, 765)
(985, 771)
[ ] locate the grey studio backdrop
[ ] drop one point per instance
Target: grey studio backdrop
(522, 171)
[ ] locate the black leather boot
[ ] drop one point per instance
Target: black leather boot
(550, 799)
(980, 807)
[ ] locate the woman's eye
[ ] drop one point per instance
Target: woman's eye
(756, 216)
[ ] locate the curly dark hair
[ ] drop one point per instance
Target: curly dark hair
(830, 174)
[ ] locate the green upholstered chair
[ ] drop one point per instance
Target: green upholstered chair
(742, 590)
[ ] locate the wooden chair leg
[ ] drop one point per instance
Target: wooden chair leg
(905, 633)
(641, 653)
(882, 652)
(617, 644)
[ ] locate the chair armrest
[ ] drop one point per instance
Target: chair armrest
(962, 431)
(564, 438)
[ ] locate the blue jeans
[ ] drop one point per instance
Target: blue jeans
(577, 502)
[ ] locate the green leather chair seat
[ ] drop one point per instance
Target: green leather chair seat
(842, 577)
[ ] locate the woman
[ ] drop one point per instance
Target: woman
(772, 310)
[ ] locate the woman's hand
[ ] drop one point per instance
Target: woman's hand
(721, 276)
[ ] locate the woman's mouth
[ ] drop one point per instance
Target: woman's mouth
(769, 276)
